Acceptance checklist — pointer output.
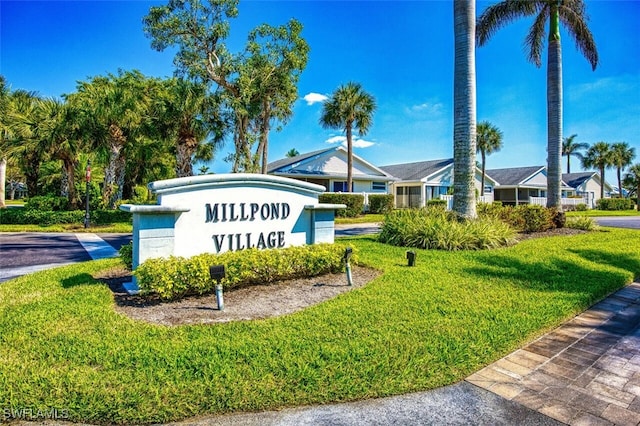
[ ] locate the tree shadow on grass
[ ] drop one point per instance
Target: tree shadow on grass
(558, 275)
(78, 280)
(621, 261)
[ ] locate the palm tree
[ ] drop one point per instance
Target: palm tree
(464, 110)
(348, 107)
(488, 141)
(185, 119)
(292, 153)
(4, 108)
(572, 13)
(599, 156)
(569, 148)
(621, 156)
(632, 182)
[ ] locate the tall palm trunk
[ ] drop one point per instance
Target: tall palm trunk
(3, 177)
(70, 170)
(187, 145)
(263, 146)
(602, 181)
(484, 161)
(554, 113)
(464, 109)
(349, 156)
(619, 182)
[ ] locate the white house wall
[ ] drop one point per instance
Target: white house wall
(335, 163)
(539, 179)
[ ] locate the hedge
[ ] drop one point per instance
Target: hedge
(615, 204)
(47, 203)
(354, 203)
(175, 277)
(381, 203)
(39, 217)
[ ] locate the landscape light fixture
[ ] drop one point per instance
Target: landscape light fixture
(217, 274)
(347, 257)
(411, 258)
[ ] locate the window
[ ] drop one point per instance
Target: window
(488, 189)
(378, 186)
(340, 186)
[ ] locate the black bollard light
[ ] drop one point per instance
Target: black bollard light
(411, 258)
(217, 274)
(347, 257)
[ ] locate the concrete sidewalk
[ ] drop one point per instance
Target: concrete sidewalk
(586, 371)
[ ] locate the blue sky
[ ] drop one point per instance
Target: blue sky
(401, 53)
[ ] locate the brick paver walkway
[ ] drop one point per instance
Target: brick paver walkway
(585, 372)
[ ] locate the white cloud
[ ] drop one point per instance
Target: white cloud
(426, 108)
(336, 139)
(313, 98)
(357, 143)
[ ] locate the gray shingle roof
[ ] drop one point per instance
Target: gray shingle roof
(513, 175)
(416, 171)
(574, 180)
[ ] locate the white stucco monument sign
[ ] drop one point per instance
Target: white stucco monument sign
(229, 212)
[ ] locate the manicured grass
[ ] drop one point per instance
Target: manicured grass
(413, 328)
(365, 218)
(597, 213)
(123, 228)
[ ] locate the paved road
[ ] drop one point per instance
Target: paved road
(632, 222)
(27, 252)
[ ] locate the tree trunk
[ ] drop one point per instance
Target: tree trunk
(114, 173)
(3, 176)
(349, 156)
(263, 146)
(601, 182)
(70, 167)
(554, 114)
(64, 183)
(568, 163)
(484, 161)
(110, 174)
(464, 109)
(619, 183)
(186, 146)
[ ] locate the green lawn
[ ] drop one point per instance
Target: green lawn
(64, 346)
(597, 213)
(124, 228)
(365, 218)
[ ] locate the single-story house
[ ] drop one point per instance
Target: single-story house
(587, 184)
(520, 185)
(328, 167)
(422, 181)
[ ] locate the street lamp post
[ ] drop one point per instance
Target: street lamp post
(88, 179)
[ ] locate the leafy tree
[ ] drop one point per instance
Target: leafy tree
(464, 109)
(27, 124)
(632, 182)
(347, 108)
(278, 55)
(114, 113)
(621, 156)
(257, 86)
(488, 141)
(572, 148)
(599, 156)
(572, 13)
(185, 117)
(292, 153)
(4, 136)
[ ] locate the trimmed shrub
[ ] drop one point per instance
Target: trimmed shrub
(39, 217)
(582, 207)
(437, 204)
(47, 203)
(126, 254)
(176, 277)
(535, 218)
(381, 203)
(437, 229)
(582, 222)
(614, 204)
(354, 203)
